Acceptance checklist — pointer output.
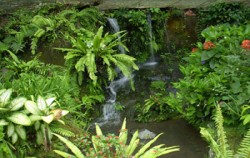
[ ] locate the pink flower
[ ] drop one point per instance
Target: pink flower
(245, 44)
(208, 45)
(194, 50)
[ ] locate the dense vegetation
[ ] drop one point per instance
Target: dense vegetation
(36, 97)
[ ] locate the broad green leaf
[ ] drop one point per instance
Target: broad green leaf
(41, 103)
(3, 122)
(64, 112)
(98, 130)
(39, 137)
(10, 130)
(71, 146)
(32, 107)
(123, 133)
(133, 144)
(20, 118)
(64, 154)
(4, 97)
(4, 109)
(146, 146)
(48, 119)
(49, 101)
(17, 103)
(21, 132)
(98, 38)
(34, 118)
(207, 55)
(14, 138)
(37, 125)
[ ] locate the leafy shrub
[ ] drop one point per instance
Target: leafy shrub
(219, 73)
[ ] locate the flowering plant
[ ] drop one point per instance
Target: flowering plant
(218, 71)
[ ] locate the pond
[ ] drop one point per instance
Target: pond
(176, 131)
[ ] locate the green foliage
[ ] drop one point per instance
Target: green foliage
(219, 143)
(220, 13)
(115, 146)
(30, 31)
(17, 66)
(224, 13)
(95, 55)
(219, 73)
(155, 108)
(21, 117)
(134, 21)
(5, 147)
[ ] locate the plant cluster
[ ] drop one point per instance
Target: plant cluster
(115, 146)
(217, 70)
(22, 118)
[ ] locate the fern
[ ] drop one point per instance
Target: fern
(62, 131)
(222, 139)
(244, 150)
(220, 145)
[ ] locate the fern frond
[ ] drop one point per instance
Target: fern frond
(62, 131)
(221, 134)
(244, 150)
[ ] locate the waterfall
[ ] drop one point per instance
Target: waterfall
(151, 61)
(110, 114)
(109, 111)
(149, 20)
(115, 28)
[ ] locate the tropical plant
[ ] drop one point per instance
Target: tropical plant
(19, 115)
(13, 116)
(217, 71)
(219, 143)
(43, 113)
(97, 56)
(115, 146)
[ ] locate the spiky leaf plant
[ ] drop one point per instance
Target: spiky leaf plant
(116, 147)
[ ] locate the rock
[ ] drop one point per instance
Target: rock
(146, 134)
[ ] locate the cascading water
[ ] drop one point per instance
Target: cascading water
(151, 61)
(115, 28)
(110, 114)
(109, 111)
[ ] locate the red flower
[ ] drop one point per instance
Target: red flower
(245, 44)
(208, 45)
(194, 50)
